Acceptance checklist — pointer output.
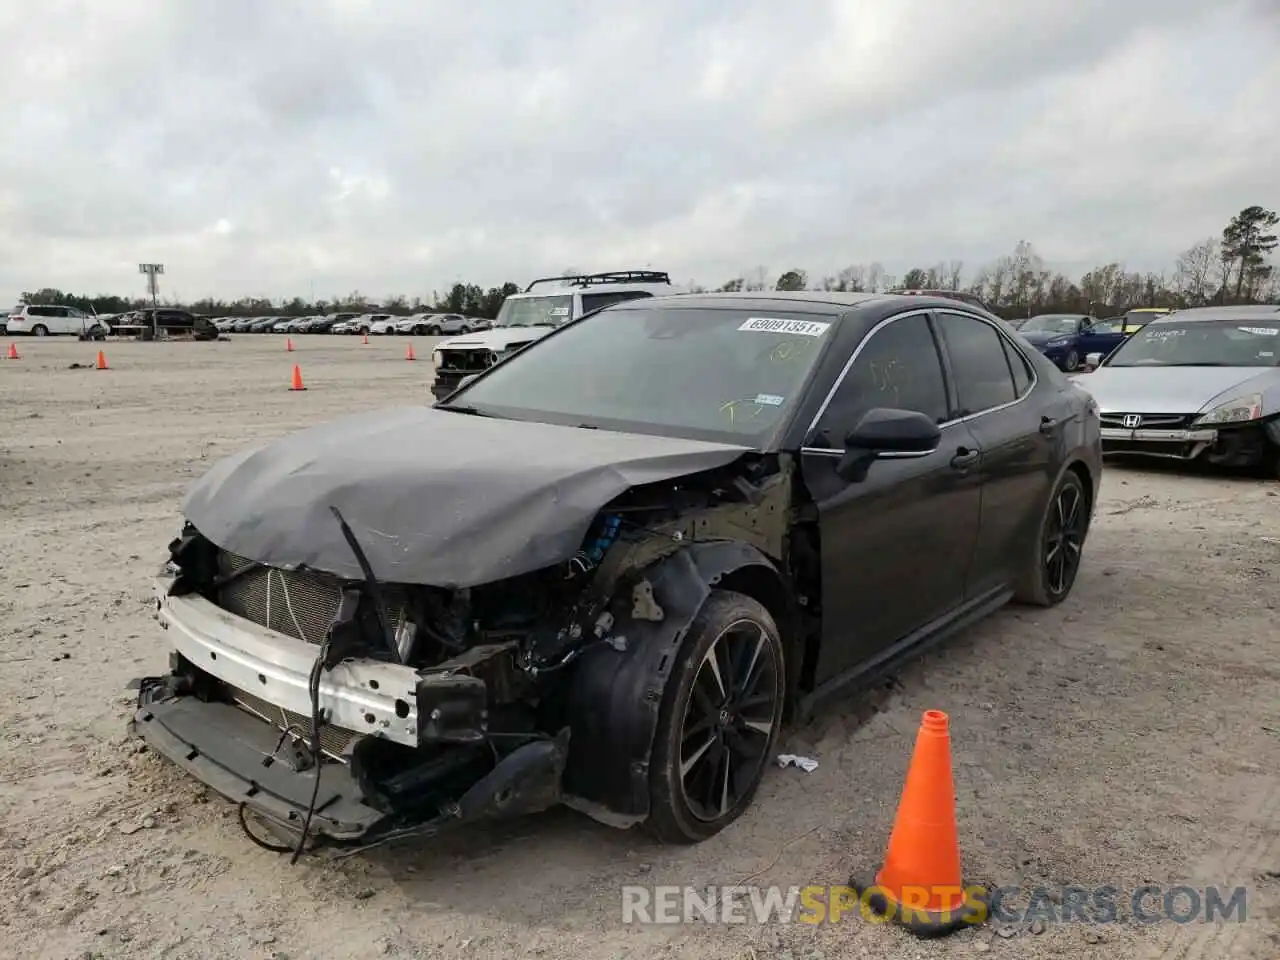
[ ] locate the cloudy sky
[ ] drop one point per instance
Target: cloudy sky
(280, 147)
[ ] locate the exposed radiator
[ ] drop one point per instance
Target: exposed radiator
(333, 740)
(299, 603)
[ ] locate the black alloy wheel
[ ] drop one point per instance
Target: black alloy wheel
(719, 722)
(1059, 547)
(1072, 362)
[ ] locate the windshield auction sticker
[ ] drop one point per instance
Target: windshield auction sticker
(801, 328)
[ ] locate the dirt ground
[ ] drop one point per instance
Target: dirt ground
(1129, 737)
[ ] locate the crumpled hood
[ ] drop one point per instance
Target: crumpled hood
(1173, 389)
(433, 497)
(498, 338)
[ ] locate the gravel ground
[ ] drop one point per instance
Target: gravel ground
(1128, 737)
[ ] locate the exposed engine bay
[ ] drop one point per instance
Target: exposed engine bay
(422, 705)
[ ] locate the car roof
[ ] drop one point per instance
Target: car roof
(1259, 311)
(828, 302)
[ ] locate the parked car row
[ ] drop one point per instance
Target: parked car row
(48, 320)
(377, 324)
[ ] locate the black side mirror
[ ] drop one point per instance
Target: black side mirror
(885, 432)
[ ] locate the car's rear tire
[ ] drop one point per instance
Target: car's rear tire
(40, 330)
(719, 720)
(1071, 363)
(464, 329)
(1050, 570)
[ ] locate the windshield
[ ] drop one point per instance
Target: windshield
(1206, 343)
(711, 374)
(535, 311)
(1051, 323)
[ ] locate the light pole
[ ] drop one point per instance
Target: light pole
(152, 271)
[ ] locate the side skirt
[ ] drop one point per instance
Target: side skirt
(910, 646)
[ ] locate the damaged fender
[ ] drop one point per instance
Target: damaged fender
(616, 696)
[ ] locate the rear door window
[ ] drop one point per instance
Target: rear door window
(979, 363)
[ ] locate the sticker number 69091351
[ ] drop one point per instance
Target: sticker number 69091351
(802, 328)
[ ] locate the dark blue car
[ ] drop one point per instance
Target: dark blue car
(1067, 338)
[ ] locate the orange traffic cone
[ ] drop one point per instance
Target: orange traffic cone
(288, 345)
(297, 379)
(366, 338)
(102, 360)
(920, 885)
(408, 354)
(13, 352)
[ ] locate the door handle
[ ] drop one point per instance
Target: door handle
(1048, 425)
(964, 459)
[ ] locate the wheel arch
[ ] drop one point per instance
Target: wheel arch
(614, 698)
(1087, 479)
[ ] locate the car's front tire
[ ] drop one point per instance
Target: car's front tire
(1071, 363)
(719, 720)
(1050, 571)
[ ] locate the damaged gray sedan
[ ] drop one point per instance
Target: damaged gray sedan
(605, 572)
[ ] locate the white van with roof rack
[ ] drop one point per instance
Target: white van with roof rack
(545, 304)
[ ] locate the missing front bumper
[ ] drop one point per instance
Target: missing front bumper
(238, 756)
(233, 753)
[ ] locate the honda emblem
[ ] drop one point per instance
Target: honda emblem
(1132, 420)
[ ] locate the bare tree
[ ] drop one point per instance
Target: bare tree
(876, 278)
(853, 278)
(1196, 271)
(950, 274)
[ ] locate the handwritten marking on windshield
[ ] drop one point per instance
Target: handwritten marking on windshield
(731, 408)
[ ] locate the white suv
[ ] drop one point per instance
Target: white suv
(528, 316)
(44, 321)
